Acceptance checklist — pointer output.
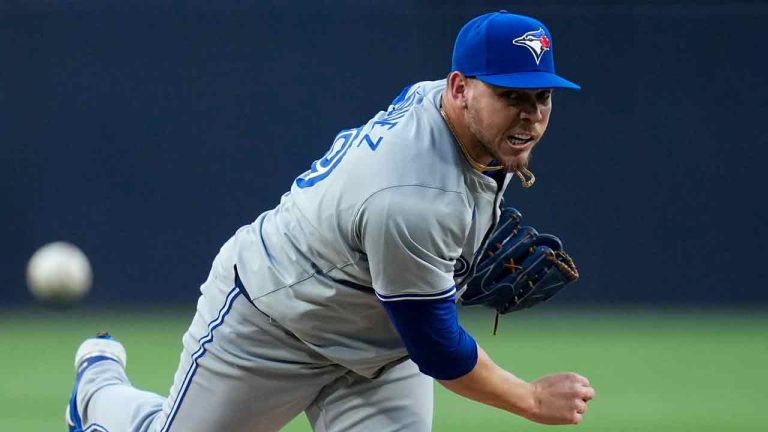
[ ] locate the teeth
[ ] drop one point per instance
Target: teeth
(519, 139)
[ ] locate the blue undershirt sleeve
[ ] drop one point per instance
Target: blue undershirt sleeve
(436, 342)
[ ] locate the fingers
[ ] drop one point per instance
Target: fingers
(579, 378)
(584, 394)
(587, 393)
(577, 418)
(563, 397)
(581, 407)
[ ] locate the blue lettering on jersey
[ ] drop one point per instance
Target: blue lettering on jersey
(323, 167)
(402, 95)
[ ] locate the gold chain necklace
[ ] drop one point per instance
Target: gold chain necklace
(526, 182)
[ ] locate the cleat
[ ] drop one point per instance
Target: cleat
(94, 350)
(103, 345)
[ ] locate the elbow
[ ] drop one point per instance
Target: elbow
(450, 363)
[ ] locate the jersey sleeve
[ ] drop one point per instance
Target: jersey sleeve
(412, 236)
(431, 333)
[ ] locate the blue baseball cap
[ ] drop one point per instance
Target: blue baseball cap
(508, 50)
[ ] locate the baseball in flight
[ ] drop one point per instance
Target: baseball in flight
(59, 272)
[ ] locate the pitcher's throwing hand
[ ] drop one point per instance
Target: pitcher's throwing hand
(561, 399)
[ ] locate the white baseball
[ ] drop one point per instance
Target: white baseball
(59, 272)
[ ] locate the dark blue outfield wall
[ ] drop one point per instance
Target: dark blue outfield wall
(147, 133)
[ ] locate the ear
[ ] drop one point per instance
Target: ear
(458, 86)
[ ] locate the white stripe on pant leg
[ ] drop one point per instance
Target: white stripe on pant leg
(233, 294)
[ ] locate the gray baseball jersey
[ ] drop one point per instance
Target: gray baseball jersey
(391, 212)
(392, 209)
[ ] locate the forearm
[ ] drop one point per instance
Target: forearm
(444, 351)
(490, 384)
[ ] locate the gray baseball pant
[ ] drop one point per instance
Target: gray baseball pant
(242, 371)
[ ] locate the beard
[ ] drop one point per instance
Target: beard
(510, 165)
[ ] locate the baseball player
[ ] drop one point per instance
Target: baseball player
(341, 301)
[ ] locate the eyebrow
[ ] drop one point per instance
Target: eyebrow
(519, 90)
(499, 91)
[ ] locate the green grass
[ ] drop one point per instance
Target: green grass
(666, 371)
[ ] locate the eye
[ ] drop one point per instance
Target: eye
(544, 95)
(511, 96)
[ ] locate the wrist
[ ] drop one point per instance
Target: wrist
(523, 401)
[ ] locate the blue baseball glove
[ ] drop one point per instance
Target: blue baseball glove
(520, 269)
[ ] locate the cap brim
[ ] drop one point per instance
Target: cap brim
(528, 80)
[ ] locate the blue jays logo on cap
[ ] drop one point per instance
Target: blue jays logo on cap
(536, 41)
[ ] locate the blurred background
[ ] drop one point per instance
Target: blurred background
(147, 132)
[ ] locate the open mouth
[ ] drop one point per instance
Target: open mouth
(519, 140)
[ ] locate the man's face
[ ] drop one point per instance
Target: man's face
(507, 123)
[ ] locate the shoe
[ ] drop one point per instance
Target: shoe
(91, 351)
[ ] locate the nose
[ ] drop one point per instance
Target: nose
(530, 111)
